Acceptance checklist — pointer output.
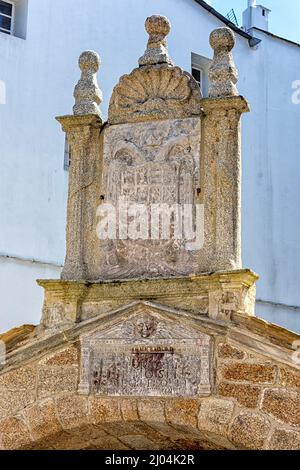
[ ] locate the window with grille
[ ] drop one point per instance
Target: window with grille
(6, 17)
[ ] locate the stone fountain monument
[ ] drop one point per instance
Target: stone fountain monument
(149, 340)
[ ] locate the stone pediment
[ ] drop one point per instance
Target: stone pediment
(145, 351)
(126, 324)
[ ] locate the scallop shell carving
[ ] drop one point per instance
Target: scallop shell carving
(155, 92)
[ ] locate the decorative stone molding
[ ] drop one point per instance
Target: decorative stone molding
(118, 359)
(202, 295)
(154, 93)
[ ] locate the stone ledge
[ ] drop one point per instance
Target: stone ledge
(17, 336)
(230, 102)
(218, 294)
(69, 122)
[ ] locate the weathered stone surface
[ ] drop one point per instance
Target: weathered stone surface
(152, 410)
(146, 164)
(71, 410)
(63, 441)
(57, 379)
(154, 93)
(197, 444)
(138, 442)
(215, 415)
(250, 430)
(158, 27)
(107, 443)
(144, 352)
(148, 353)
(249, 372)
(17, 336)
(221, 180)
(104, 410)
(168, 431)
(17, 390)
(13, 433)
(42, 419)
(87, 94)
(12, 401)
(290, 377)
(66, 357)
(129, 409)
(284, 439)
(118, 429)
(23, 378)
(223, 74)
(90, 432)
(283, 405)
(183, 412)
(82, 253)
(193, 294)
(246, 395)
(227, 351)
(156, 90)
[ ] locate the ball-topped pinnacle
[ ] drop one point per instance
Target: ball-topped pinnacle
(222, 74)
(87, 94)
(157, 25)
(222, 38)
(89, 61)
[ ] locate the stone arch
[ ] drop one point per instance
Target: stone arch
(253, 404)
(64, 423)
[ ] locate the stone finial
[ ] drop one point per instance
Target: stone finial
(87, 94)
(158, 27)
(223, 74)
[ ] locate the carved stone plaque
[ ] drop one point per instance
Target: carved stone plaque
(151, 164)
(146, 355)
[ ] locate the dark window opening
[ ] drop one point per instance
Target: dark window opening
(197, 74)
(67, 157)
(6, 17)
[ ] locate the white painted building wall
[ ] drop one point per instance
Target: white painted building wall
(40, 72)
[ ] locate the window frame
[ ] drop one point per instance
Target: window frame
(12, 17)
(199, 69)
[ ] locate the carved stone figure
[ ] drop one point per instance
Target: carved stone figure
(146, 326)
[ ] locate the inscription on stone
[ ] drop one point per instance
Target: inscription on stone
(156, 166)
(146, 356)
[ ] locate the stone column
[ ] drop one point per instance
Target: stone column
(83, 131)
(221, 159)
